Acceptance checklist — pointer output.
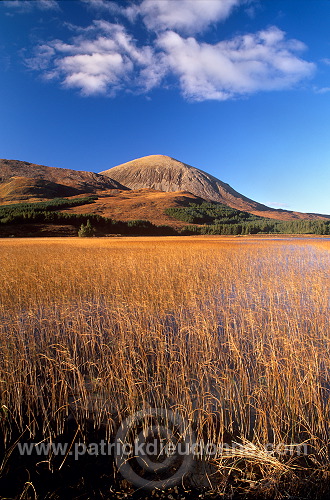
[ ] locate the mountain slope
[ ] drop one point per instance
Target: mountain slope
(27, 188)
(167, 174)
(164, 173)
(139, 204)
(22, 180)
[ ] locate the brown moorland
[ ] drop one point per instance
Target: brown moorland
(21, 180)
(147, 204)
(150, 204)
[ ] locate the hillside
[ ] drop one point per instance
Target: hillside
(164, 173)
(146, 188)
(27, 188)
(139, 204)
(20, 180)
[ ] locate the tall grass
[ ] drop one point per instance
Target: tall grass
(233, 334)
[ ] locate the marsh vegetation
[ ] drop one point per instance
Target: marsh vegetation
(232, 334)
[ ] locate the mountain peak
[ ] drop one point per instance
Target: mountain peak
(165, 173)
(155, 160)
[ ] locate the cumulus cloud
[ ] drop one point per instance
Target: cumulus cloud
(101, 60)
(188, 16)
(242, 65)
(104, 58)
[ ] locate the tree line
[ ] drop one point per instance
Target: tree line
(216, 218)
(204, 219)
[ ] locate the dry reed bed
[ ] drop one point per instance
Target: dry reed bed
(232, 333)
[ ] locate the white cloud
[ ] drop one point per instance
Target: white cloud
(41, 61)
(23, 6)
(131, 11)
(102, 60)
(321, 90)
(242, 65)
(188, 16)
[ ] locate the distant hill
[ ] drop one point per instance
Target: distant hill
(20, 180)
(164, 173)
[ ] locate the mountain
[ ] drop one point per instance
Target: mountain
(20, 180)
(164, 173)
(139, 189)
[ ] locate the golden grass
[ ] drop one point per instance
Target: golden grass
(231, 332)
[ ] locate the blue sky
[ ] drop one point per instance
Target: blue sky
(238, 88)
